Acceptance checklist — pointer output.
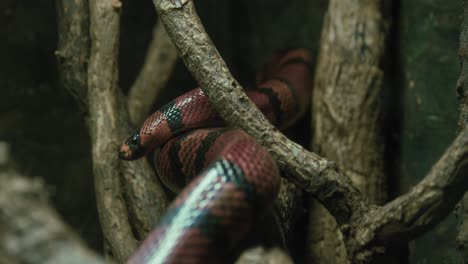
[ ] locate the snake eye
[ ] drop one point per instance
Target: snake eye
(132, 149)
(134, 141)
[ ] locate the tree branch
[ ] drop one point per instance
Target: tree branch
(427, 203)
(30, 230)
(306, 169)
(345, 112)
(419, 209)
(157, 68)
(104, 126)
(346, 103)
(142, 200)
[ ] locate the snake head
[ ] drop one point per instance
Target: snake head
(132, 148)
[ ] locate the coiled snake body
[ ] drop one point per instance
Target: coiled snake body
(231, 178)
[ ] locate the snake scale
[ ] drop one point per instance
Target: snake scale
(224, 178)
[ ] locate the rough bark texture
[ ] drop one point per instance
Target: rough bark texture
(369, 231)
(412, 214)
(157, 68)
(345, 112)
(30, 230)
(462, 90)
(346, 94)
(104, 126)
(139, 204)
(306, 169)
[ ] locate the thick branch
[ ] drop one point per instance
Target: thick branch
(157, 68)
(307, 170)
(431, 200)
(31, 231)
(104, 126)
(144, 197)
(346, 103)
(345, 112)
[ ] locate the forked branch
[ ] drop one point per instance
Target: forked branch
(404, 218)
(306, 169)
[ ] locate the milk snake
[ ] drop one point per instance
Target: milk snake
(231, 178)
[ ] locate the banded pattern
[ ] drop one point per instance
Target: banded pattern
(217, 206)
(282, 99)
(238, 178)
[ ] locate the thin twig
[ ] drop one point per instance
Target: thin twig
(157, 68)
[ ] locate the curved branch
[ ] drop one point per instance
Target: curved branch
(157, 68)
(309, 171)
(427, 203)
(31, 231)
(104, 126)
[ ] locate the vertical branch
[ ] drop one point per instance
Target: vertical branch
(30, 230)
(157, 68)
(308, 170)
(141, 200)
(104, 126)
(346, 103)
(346, 111)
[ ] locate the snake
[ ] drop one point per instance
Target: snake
(224, 179)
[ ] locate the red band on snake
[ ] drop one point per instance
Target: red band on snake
(237, 179)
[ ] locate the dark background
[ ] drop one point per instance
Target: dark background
(49, 139)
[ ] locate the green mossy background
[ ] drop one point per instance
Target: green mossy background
(49, 138)
(430, 68)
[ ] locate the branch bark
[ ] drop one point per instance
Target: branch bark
(137, 206)
(30, 230)
(104, 126)
(431, 200)
(157, 68)
(354, 215)
(308, 170)
(345, 112)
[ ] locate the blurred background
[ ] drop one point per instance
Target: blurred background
(48, 136)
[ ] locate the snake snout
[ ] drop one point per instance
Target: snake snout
(125, 153)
